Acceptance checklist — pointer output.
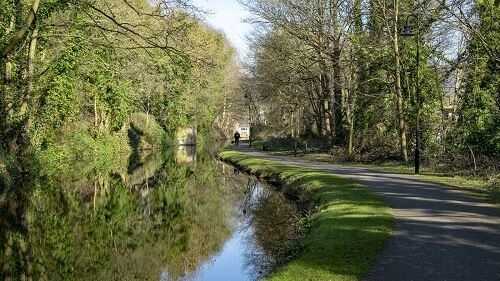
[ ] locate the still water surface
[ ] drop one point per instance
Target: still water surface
(178, 215)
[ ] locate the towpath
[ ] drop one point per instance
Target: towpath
(440, 233)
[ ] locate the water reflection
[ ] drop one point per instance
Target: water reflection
(271, 228)
(159, 218)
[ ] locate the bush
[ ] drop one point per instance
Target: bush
(9, 171)
(148, 132)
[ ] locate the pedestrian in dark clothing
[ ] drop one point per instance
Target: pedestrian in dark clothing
(237, 138)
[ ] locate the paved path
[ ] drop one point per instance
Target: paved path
(440, 234)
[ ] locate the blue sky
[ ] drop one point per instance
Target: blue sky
(227, 16)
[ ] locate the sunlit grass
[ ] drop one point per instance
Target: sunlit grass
(485, 187)
(348, 230)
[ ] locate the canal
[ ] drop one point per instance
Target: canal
(174, 215)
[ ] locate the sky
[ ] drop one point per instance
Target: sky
(228, 16)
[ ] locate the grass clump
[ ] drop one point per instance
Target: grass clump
(349, 229)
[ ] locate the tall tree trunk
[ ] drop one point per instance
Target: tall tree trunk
(319, 119)
(328, 128)
(20, 138)
(18, 37)
(399, 95)
(337, 95)
(30, 73)
(458, 86)
(350, 117)
(6, 89)
(13, 131)
(7, 67)
(96, 114)
(351, 134)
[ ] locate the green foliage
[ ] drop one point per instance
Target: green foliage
(119, 106)
(107, 150)
(9, 172)
(479, 122)
(151, 133)
(57, 103)
(7, 8)
(359, 94)
(97, 63)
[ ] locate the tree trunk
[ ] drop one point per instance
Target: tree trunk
(15, 130)
(7, 77)
(30, 73)
(337, 97)
(351, 134)
(18, 37)
(96, 120)
(458, 86)
(319, 123)
(325, 105)
(399, 96)
(326, 119)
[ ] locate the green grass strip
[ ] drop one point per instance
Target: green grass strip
(349, 230)
(485, 186)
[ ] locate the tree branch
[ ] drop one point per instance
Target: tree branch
(24, 29)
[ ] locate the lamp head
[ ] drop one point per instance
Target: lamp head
(407, 32)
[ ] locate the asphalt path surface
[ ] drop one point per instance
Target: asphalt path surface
(440, 233)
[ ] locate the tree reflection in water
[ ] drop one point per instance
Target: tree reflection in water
(162, 216)
(271, 226)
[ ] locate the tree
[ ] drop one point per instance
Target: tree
(352, 76)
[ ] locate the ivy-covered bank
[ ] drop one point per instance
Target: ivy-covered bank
(348, 230)
(79, 77)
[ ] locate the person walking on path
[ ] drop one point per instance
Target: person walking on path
(237, 138)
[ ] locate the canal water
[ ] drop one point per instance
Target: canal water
(177, 215)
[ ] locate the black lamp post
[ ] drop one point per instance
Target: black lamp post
(407, 32)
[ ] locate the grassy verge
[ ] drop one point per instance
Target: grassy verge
(347, 232)
(486, 187)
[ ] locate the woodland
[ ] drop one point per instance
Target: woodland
(93, 94)
(341, 76)
(81, 79)
(81, 76)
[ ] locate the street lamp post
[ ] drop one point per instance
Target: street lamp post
(407, 32)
